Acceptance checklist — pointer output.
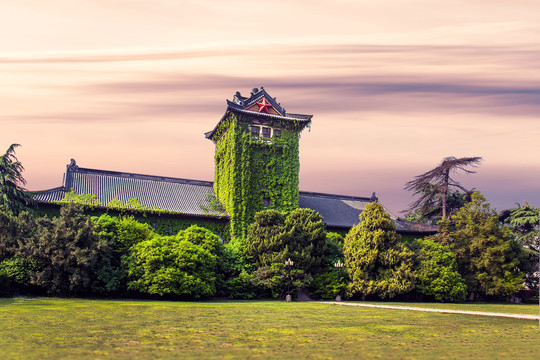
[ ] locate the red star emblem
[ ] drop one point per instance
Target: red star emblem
(263, 106)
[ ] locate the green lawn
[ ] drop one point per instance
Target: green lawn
(43, 328)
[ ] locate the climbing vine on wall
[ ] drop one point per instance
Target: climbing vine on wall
(163, 221)
(254, 173)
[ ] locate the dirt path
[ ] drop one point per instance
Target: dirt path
(446, 311)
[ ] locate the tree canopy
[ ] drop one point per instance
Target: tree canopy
(523, 221)
(487, 256)
(12, 194)
(275, 237)
(378, 263)
(433, 187)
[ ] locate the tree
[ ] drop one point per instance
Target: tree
(487, 256)
(524, 224)
(434, 185)
(14, 229)
(431, 211)
(117, 235)
(378, 263)
(436, 271)
(275, 237)
(65, 251)
(12, 194)
(183, 264)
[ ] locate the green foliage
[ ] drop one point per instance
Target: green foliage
(377, 262)
(334, 245)
(13, 197)
(117, 235)
(431, 210)
(18, 270)
(250, 171)
(300, 235)
(275, 237)
(486, 254)
(14, 229)
(523, 221)
(241, 287)
(276, 279)
(183, 264)
(433, 187)
(330, 284)
(65, 251)
(436, 272)
(83, 199)
(214, 206)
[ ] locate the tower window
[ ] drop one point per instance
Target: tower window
(266, 132)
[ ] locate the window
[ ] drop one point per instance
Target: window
(254, 131)
(277, 133)
(267, 202)
(266, 132)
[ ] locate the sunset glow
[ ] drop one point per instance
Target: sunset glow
(394, 87)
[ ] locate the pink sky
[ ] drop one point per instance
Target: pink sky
(394, 87)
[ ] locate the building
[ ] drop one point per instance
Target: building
(256, 167)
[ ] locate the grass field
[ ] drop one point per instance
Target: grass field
(44, 328)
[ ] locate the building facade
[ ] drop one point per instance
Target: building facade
(256, 167)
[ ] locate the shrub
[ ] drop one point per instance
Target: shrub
(436, 271)
(329, 284)
(18, 270)
(183, 264)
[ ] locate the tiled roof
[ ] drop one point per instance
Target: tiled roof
(337, 210)
(243, 102)
(189, 197)
(343, 211)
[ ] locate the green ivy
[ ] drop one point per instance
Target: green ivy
(249, 170)
(163, 222)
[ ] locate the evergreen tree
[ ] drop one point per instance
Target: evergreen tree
(431, 211)
(275, 237)
(433, 187)
(65, 251)
(486, 254)
(378, 263)
(12, 194)
(524, 223)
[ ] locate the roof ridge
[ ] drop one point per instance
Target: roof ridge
(141, 176)
(334, 196)
(302, 117)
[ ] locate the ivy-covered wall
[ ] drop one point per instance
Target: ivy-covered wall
(163, 223)
(253, 173)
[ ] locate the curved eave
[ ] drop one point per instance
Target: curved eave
(305, 119)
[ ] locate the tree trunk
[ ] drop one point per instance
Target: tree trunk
(445, 193)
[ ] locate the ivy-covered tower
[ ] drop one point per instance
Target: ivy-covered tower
(256, 157)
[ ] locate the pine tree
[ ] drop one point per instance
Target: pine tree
(12, 194)
(378, 263)
(433, 187)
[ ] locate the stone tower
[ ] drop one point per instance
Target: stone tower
(256, 157)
